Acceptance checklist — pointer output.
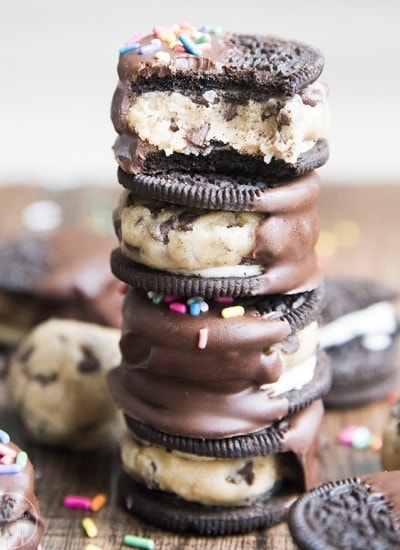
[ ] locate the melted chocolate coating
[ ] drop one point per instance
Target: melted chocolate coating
(166, 381)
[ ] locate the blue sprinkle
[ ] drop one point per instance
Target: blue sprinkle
(150, 48)
(205, 29)
(195, 308)
(190, 46)
(4, 437)
(128, 48)
(10, 469)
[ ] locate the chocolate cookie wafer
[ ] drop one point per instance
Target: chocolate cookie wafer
(355, 513)
(199, 100)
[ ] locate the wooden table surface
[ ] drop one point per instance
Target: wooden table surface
(360, 228)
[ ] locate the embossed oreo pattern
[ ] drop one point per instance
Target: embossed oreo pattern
(345, 514)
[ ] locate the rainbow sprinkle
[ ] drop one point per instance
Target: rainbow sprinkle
(182, 37)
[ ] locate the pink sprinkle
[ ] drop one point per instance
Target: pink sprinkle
(159, 29)
(178, 307)
(170, 298)
(179, 48)
(223, 299)
(77, 501)
(346, 435)
(136, 38)
(203, 337)
(6, 459)
(4, 450)
(123, 288)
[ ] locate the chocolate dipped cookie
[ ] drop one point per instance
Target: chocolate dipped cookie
(357, 513)
(206, 100)
(21, 524)
(265, 245)
(230, 370)
(60, 273)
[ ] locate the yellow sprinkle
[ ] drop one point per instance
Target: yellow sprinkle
(169, 37)
(89, 527)
(98, 502)
(164, 57)
(233, 311)
(347, 233)
(174, 43)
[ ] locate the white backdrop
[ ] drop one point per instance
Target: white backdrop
(58, 72)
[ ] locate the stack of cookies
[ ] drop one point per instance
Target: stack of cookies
(221, 378)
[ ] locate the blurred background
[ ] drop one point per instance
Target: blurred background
(58, 72)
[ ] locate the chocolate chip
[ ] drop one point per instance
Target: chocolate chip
(231, 112)
(89, 363)
(197, 136)
(25, 354)
(244, 474)
(41, 378)
(173, 126)
(290, 344)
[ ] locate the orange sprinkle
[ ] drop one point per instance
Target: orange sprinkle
(376, 443)
(98, 502)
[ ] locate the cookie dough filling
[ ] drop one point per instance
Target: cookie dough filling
(299, 364)
(211, 481)
(182, 240)
(280, 127)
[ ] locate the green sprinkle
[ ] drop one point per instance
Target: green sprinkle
(203, 38)
(138, 542)
(215, 30)
(157, 298)
(22, 459)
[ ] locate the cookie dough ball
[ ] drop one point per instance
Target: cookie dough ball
(57, 384)
(390, 453)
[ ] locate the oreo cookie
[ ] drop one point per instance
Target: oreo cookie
(356, 513)
(226, 104)
(192, 250)
(359, 333)
(233, 193)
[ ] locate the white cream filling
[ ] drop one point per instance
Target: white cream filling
(376, 320)
(280, 127)
(294, 379)
(206, 480)
(224, 271)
